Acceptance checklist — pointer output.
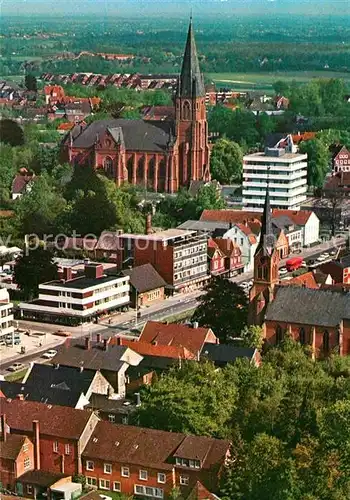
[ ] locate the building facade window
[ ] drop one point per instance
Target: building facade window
(55, 446)
(279, 334)
(29, 489)
(326, 341)
(302, 336)
(161, 477)
(117, 486)
(108, 166)
(148, 491)
(184, 480)
(104, 484)
(27, 463)
(107, 468)
(111, 418)
(67, 449)
(89, 465)
(91, 481)
(143, 475)
(125, 472)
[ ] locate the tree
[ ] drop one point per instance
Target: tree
(194, 399)
(35, 266)
(226, 161)
(281, 87)
(223, 308)
(252, 336)
(11, 133)
(31, 83)
(318, 158)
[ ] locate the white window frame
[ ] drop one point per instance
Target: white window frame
(90, 480)
(106, 467)
(29, 489)
(159, 476)
(124, 473)
(143, 472)
(140, 489)
(118, 488)
(88, 465)
(104, 481)
(111, 418)
(26, 463)
(55, 446)
(184, 480)
(67, 449)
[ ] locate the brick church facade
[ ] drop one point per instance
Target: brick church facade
(162, 155)
(316, 317)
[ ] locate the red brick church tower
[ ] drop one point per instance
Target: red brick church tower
(266, 264)
(191, 122)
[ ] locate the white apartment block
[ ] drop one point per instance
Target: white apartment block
(6, 314)
(78, 299)
(286, 173)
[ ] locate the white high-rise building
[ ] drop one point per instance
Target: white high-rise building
(6, 314)
(286, 172)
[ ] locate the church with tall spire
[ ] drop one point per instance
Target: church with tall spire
(266, 264)
(161, 155)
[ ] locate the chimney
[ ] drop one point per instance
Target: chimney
(195, 325)
(93, 271)
(138, 399)
(3, 427)
(67, 273)
(105, 344)
(36, 435)
(98, 338)
(118, 340)
(87, 343)
(148, 224)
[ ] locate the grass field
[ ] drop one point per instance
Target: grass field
(264, 81)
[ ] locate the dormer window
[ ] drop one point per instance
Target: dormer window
(191, 463)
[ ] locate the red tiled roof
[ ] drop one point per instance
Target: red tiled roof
(230, 215)
(10, 448)
(164, 351)
(200, 492)
(49, 89)
(60, 421)
(65, 126)
(153, 448)
(227, 247)
(306, 279)
(305, 136)
(20, 182)
(177, 335)
(299, 217)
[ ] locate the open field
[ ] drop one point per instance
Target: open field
(264, 81)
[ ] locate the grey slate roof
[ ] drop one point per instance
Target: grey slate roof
(226, 353)
(204, 225)
(308, 306)
(144, 278)
(95, 358)
(138, 135)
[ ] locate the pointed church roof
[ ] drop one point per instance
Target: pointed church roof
(267, 238)
(191, 80)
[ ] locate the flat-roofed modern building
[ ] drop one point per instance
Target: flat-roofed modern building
(76, 300)
(286, 173)
(6, 314)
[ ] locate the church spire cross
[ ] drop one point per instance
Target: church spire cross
(191, 81)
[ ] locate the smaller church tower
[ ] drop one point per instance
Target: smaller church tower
(266, 264)
(191, 120)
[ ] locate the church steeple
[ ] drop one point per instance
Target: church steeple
(191, 81)
(267, 239)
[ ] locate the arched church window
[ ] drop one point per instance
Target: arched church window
(186, 111)
(108, 166)
(302, 336)
(279, 334)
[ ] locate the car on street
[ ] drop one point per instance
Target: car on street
(303, 264)
(15, 367)
(283, 271)
(325, 255)
(49, 354)
(63, 333)
(320, 259)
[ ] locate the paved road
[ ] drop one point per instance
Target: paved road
(125, 324)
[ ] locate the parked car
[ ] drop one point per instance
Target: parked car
(15, 367)
(283, 271)
(49, 354)
(303, 264)
(63, 333)
(16, 339)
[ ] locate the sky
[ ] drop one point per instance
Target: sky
(121, 7)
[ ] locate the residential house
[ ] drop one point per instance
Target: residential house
(59, 433)
(200, 492)
(223, 354)
(305, 219)
(16, 456)
(150, 463)
(110, 359)
(216, 258)
(59, 385)
(281, 102)
(243, 236)
(293, 233)
(22, 183)
(340, 159)
(307, 280)
(147, 286)
(46, 484)
(109, 246)
(80, 299)
(338, 186)
(53, 94)
(226, 257)
(338, 269)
